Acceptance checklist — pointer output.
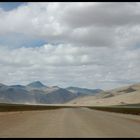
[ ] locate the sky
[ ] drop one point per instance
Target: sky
(89, 45)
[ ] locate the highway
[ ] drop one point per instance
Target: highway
(68, 123)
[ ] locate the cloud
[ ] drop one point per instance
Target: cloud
(93, 45)
(82, 24)
(102, 14)
(68, 65)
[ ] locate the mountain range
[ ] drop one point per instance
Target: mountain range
(38, 93)
(118, 96)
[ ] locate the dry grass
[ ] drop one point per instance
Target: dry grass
(127, 109)
(4, 107)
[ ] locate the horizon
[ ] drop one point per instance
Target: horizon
(67, 85)
(70, 44)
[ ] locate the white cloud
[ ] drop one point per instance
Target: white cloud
(56, 65)
(86, 24)
(93, 45)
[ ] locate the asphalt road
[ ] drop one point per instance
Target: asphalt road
(68, 122)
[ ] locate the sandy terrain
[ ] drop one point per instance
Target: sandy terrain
(118, 96)
(68, 122)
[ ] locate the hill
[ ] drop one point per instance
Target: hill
(38, 93)
(119, 96)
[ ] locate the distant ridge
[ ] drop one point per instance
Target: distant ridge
(119, 96)
(38, 93)
(36, 84)
(84, 90)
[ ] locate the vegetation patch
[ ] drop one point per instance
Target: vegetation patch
(4, 107)
(119, 109)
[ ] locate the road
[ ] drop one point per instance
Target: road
(68, 122)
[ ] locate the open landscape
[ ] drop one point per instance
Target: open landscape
(69, 70)
(119, 96)
(74, 118)
(36, 95)
(69, 123)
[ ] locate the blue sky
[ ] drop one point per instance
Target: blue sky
(17, 40)
(10, 5)
(93, 45)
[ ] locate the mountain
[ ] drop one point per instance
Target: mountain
(1, 85)
(55, 96)
(15, 94)
(38, 93)
(83, 91)
(119, 96)
(18, 86)
(35, 92)
(36, 84)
